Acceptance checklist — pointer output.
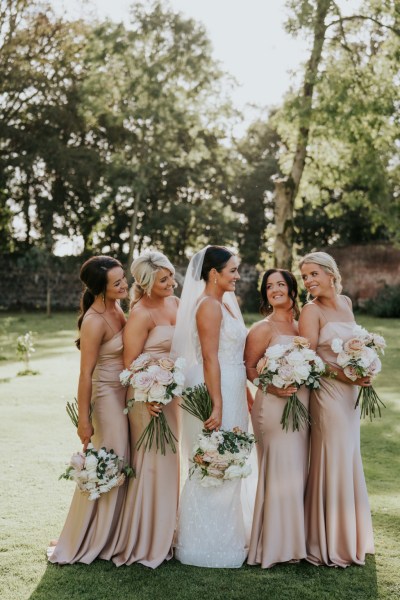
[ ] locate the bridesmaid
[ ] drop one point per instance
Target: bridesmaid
(149, 516)
(337, 513)
(278, 524)
(89, 528)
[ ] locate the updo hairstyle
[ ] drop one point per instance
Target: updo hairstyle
(215, 257)
(144, 270)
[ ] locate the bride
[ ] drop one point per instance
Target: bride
(210, 334)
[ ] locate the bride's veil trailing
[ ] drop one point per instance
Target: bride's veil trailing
(183, 344)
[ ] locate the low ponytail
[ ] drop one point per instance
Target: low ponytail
(94, 276)
(87, 300)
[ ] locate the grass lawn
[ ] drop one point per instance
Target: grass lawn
(37, 439)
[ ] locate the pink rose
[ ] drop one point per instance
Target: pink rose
(77, 461)
(166, 363)
(301, 341)
(286, 372)
(350, 372)
(262, 363)
(353, 346)
(142, 381)
(375, 367)
(163, 376)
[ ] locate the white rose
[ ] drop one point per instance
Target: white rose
(207, 444)
(125, 377)
(319, 364)
(178, 390)
(156, 393)
(276, 351)
(295, 357)
(278, 381)
(140, 396)
(337, 345)
(308, 354)
(141, 361)
(379, 342)
(180, 363)
(343, 359)
(91, 463)
(103, 489)
(179, 378)
(246, 470)
(92, 476)
(301, 372)
(367, 357)
(272, 365)
(375, 367)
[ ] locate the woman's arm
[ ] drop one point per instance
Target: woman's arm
(208, 318)
(136, 332)
(309, 327)
(91, 336)
(258, 339)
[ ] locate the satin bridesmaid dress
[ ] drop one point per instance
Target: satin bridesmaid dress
(89, 530)
(278, 533)
(337, 513)
(149, 516)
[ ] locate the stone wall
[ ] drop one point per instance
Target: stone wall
(365, 270)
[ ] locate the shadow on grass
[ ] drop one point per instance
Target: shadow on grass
(103, 581)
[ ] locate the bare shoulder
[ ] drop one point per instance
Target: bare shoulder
(209, 308)
(139, 315)
(174, 300)
(93, 326)
(347, 301)
(262, 327)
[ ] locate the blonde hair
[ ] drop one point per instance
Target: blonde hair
(328, 264)
(144, 270)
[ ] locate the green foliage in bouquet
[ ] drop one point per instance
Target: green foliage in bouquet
(197, 401)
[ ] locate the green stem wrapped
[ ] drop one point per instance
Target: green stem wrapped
(369, 402)
(197, 401)
(158, 427)
(297, 413)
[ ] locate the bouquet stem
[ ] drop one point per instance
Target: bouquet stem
(197, 401)
(296, 412)
(159, 428)
(370, 402)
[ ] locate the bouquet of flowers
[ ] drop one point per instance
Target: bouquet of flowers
(288, 365)
(218, 456)
(155, 380)
(96, 472)
(358, 357)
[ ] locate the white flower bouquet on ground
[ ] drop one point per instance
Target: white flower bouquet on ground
(358, 357)
(96, 472)
(286, 365)
(218, 456)
(154, 380)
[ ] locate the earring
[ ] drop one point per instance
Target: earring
(215, 280)
(104, 298)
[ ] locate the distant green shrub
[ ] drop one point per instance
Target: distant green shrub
(385, 304)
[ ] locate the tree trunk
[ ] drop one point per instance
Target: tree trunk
(132, 235)
(286, 189)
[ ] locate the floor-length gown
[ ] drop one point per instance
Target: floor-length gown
(89, 529)
(278, 533)
(337, 512)
(149, 516)
(211, 531)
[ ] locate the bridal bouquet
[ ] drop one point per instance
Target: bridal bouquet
(96, 472)
(155, 380)
(218, 456)
(358, 357)
(288, 365)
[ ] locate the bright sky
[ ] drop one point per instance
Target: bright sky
(248, 38)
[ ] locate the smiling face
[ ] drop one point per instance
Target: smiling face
(117, 287)
(278, 291)
(229, 275)
(163, 285)
(316, 280)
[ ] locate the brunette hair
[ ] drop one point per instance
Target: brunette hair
(265, 308)
(94, 276)
(215, 257)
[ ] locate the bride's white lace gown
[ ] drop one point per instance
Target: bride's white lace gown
(211, 531)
